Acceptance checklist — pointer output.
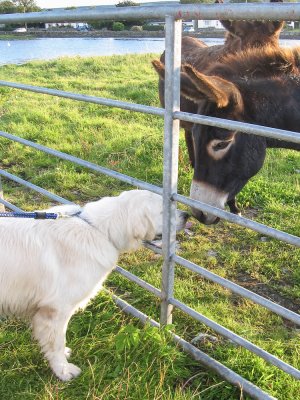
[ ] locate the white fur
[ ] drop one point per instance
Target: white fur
(208, 194)
(50, 268)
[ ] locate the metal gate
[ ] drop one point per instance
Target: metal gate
(173, 17)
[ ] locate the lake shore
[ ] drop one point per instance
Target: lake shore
(64, 33)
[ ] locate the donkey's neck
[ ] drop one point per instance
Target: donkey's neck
(282, 144)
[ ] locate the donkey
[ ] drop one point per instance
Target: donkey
(240, 35)
(259, 86)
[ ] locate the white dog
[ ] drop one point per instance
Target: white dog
(50, 268)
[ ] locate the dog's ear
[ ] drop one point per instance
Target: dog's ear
(143, 228)
(141, 213)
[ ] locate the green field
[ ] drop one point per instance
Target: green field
(119, 357)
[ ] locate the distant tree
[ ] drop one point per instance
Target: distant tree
(195, 1)
(8, 7)
(26, 5)
(118, 26)
(127, 3)
(105, 24)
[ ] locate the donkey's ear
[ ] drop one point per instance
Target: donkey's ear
(238, 29)
(213, 88)
(227, 24)
(188, 88)
(275, 27)
(230, 26)
(159, 68)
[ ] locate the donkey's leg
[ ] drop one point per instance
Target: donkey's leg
(49, 328)
(233, 206)
(190, 146)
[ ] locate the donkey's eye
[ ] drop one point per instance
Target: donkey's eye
(221, 145)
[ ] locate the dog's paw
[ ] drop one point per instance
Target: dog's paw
(67, 371)
(68, 352)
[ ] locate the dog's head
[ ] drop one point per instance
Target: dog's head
(130, 218)
(145, 211)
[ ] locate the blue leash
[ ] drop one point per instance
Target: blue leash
(35, 215)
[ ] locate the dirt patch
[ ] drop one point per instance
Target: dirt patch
(268, 292)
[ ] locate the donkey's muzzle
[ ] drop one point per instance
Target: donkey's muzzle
(207, 219)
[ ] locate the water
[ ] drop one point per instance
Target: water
(22, 51)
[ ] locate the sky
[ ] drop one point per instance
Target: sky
(78, 3)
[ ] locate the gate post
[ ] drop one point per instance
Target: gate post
(170, 167)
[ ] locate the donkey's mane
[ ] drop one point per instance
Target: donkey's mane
(262, 62)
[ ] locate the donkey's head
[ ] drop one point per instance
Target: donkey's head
(242, 35)
(224, 160)
(254, 34)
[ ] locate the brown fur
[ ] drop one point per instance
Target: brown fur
(262, 62)
(258, 86)
(241, 35)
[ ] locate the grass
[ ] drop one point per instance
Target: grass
(12, 36)
(121, 359)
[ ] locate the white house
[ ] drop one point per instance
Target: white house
(190, 26)
(213, 24)
(74, 25)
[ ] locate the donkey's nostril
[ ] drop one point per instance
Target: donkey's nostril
(206, 219)
(197, 214)
(185, 215)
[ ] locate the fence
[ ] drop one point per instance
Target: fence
(173, 16)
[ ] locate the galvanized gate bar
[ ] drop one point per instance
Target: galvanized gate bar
(153, 247)
(86, 98)
(220, 11)
(237, 339)
(252, 129)
(294, 240)
(138, 281)
(233, 287)
(196, 315)
(222, 370)
(215, 326)
(253, 11)
(36, 188)
(170, 166)
(9, 205)
(238, 220)
(83, 163)
(256, 298)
